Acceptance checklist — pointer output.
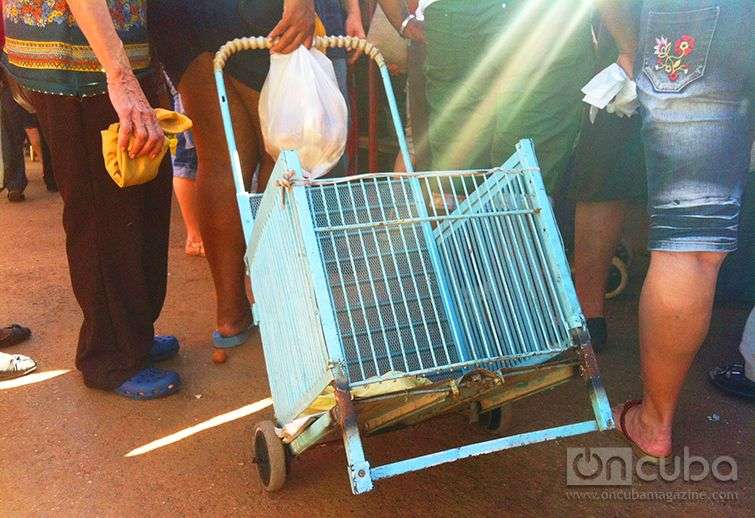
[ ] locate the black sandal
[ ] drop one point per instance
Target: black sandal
(15, 335)
(732, 380)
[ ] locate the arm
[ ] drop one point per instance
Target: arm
(396, 12)
(138, 125)
(296, 27)
(621, 23)
(354, 25)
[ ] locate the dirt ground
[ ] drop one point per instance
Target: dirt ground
(63, 447)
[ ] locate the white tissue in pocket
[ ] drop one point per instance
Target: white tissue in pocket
(611, 83)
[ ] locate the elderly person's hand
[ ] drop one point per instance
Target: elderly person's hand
(296, 28)
(139, 131)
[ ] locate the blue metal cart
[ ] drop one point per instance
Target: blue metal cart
(387, 299)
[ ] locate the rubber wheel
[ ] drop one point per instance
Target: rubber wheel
(618, 278)
(498, 420)
(270, 456)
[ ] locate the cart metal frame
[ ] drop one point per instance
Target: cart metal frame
(310, 356)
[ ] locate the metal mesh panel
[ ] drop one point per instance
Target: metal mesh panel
(295, 350)
(254, 202)
(505, 293)
(383, 287)
(503, 304)
(377, 243)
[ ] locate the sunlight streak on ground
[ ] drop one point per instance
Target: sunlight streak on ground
(30, 379)
(204, 425)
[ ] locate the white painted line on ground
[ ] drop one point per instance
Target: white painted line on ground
(205, 425)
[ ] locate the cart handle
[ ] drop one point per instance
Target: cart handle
(320, 42)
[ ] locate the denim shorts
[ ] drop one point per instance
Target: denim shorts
(185, 160)
(693, 69)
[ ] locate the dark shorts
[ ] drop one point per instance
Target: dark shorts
(609, 162)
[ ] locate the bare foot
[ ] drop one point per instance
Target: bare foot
(649, 436)
(236, 326)
(194, 248)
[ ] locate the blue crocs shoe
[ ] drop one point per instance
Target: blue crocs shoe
(150, 383)
(163, 348)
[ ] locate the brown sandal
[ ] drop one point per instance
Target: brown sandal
(625, 435)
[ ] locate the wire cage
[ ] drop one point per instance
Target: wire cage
(454, 282)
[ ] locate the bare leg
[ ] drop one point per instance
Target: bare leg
(36, 142)
(675, 311)
(398, 164)
(597, 231)
(216, 194)
(186, 194)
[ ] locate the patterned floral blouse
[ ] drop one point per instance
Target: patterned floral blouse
(46, 51)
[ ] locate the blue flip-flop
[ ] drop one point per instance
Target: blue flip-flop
(229, 342)
(163, 348)
(150, 383)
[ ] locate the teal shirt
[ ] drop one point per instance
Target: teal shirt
(45, 50)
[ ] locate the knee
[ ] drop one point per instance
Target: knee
(702, 263)
(709, 261)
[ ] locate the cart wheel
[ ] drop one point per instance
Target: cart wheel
(270, 456)
(498, 420)
(618, 278)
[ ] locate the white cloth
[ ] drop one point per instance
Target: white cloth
(423, 4)
(747, 347)
(611, 83)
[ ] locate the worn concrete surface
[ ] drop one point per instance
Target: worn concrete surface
(63, 447)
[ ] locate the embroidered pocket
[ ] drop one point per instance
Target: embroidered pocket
(675, 47)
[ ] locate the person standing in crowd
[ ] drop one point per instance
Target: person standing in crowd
(693, 69)
(203, 27)
(92, 70)
(18, 124)
(607, 175)
(14, 164)
(185, 185)
(340, 20)
(404, 20)
(497, 72)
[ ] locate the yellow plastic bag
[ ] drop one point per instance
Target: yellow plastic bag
(126, 171)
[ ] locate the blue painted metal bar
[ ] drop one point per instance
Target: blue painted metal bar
(245, 210)
(427, 219)
(472, 450)
(549, 233)
(541, 355)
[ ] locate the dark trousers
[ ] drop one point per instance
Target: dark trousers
(13, 136)
(47, 174)
(116, 239)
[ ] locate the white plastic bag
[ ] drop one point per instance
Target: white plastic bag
(301, 108)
